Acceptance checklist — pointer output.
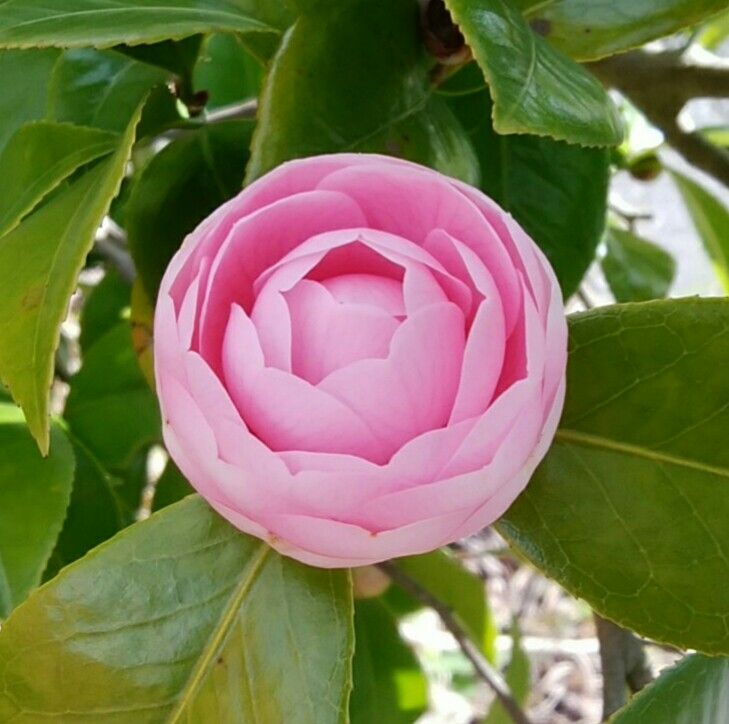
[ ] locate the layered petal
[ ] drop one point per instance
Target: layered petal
(358, 358)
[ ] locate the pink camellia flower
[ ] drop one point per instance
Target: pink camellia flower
(358, 358)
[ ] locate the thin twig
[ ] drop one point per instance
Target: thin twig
(660, 85)
(586, 301)
(111, 243)
(484, 670)
(248, 109)
(624, 665)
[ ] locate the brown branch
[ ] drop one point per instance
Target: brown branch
(624, 665)
(248, 109)
(483, 669)
(660, 85)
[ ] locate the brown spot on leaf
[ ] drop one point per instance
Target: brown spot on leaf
(32, 298)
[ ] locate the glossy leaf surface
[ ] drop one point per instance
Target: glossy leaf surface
(695, 691)
(556, 191)
(333, 87)
(34, 493)
(182, 618)
(631, 516)
(636, 269)
(37, 158)
(589, 29)
(39, 263)
(535, 88)
(75, 23)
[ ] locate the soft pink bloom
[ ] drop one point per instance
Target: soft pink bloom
(358, 358)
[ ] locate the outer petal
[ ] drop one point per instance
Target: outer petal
(411, 202)
(256, 242)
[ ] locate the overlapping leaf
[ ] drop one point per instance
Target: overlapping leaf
(37, 158)
(636, 269)
(589, 29)
(34, 493)
(629, 508)
(97, 23)
(353, 76)
(39, 263)
(556, 191)
(182, 618)
(534, 87)
(695, 690)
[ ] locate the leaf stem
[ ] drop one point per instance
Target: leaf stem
(483, 669)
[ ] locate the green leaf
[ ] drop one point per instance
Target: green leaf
(37, 158)
(629, 508)
(104, 308)
(110, 407)
(389, 687)
(556, 191)
(461, 591)
(39, 263)
(694, 691)
(592, 29)
(100, 88)
(93, 513)
(178, 188)
(182, 618)
(96, 23)
(177, 56)
(535, 88)
(434, 137)
(318, 99)
(715, 32)
(24, 97)
(711, 219)
(517, 676)
(34, 493)
(636, 270)
(718, 135)
(227, 71)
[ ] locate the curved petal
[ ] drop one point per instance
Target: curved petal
(486, 346)
(328, 335)
(336, 545)
(410, 202)
(381, 292)
(523, 399)
(499, 503)
(284, 411)
(271, 318)
(255, 243)
(343, 247)
(413, 389)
